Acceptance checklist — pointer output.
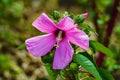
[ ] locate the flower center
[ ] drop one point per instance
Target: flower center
(59, 36)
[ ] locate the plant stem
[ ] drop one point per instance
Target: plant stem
(109, 30)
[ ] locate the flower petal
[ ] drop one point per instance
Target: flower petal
(63, 55)
(44, 24)
(79, 38)
(66, 24)
(40, 45)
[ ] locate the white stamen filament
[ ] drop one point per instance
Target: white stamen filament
(58, 38)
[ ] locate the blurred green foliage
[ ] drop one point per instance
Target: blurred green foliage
(16, 17)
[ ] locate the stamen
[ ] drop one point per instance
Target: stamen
(58, 38)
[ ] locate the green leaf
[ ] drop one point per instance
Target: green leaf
(98, 46)
(22, 46)
(105, 74)
(86, 26)
(86, 61)
(48, 58)
(52, 73)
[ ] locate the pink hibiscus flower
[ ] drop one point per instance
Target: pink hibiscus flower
(59, 35)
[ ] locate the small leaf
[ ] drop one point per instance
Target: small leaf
(86, 61)
(98, 46)
(22, 46)
(105, 74)
(78, 76)
(52, 73)
(86, 26)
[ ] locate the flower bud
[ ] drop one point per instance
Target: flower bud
(56, 15)
(73, 66)
(85, 15)
(79, 19)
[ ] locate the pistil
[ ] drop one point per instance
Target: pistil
(59, 38)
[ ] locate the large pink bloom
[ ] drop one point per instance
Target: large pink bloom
(61, 35)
